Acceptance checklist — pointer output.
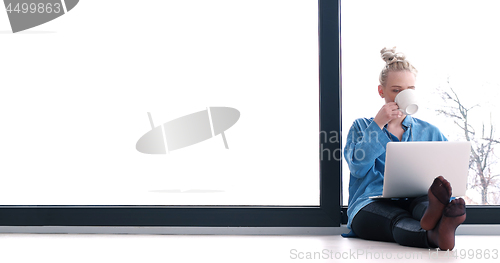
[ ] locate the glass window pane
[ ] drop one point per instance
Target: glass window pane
(454, 46)
(228, 90)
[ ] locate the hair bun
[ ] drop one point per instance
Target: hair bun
(394, 62)
(390, 56)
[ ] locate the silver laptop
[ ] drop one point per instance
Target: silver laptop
(410, 167)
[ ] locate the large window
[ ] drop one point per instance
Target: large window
(190, 103)
(453, 46)
(79, 93)
(192, 113)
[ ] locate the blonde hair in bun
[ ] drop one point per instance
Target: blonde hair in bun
(394, 62)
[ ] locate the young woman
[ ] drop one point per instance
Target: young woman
(427, 221)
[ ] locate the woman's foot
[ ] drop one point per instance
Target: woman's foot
(439, 196)
(443, 235)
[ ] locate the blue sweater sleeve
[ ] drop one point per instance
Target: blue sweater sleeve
(365, 142)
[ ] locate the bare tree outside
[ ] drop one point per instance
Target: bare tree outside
(482, 175)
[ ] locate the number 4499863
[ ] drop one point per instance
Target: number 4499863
(32, 8)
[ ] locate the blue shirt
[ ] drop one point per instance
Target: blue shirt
(364, 153)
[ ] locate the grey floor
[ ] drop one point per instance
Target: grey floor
(231, 248)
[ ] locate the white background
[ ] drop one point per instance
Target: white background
(75, 93)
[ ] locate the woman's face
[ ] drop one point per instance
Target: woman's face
(396, 82)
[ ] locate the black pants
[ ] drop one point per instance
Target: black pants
(393, 221)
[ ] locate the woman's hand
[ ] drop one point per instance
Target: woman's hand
(388, 112)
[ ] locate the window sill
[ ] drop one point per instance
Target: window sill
(465, 229)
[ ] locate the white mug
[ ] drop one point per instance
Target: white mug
(407, 101)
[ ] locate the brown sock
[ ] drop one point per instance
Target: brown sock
(439, 191)
(453, 216)
(439, 196)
